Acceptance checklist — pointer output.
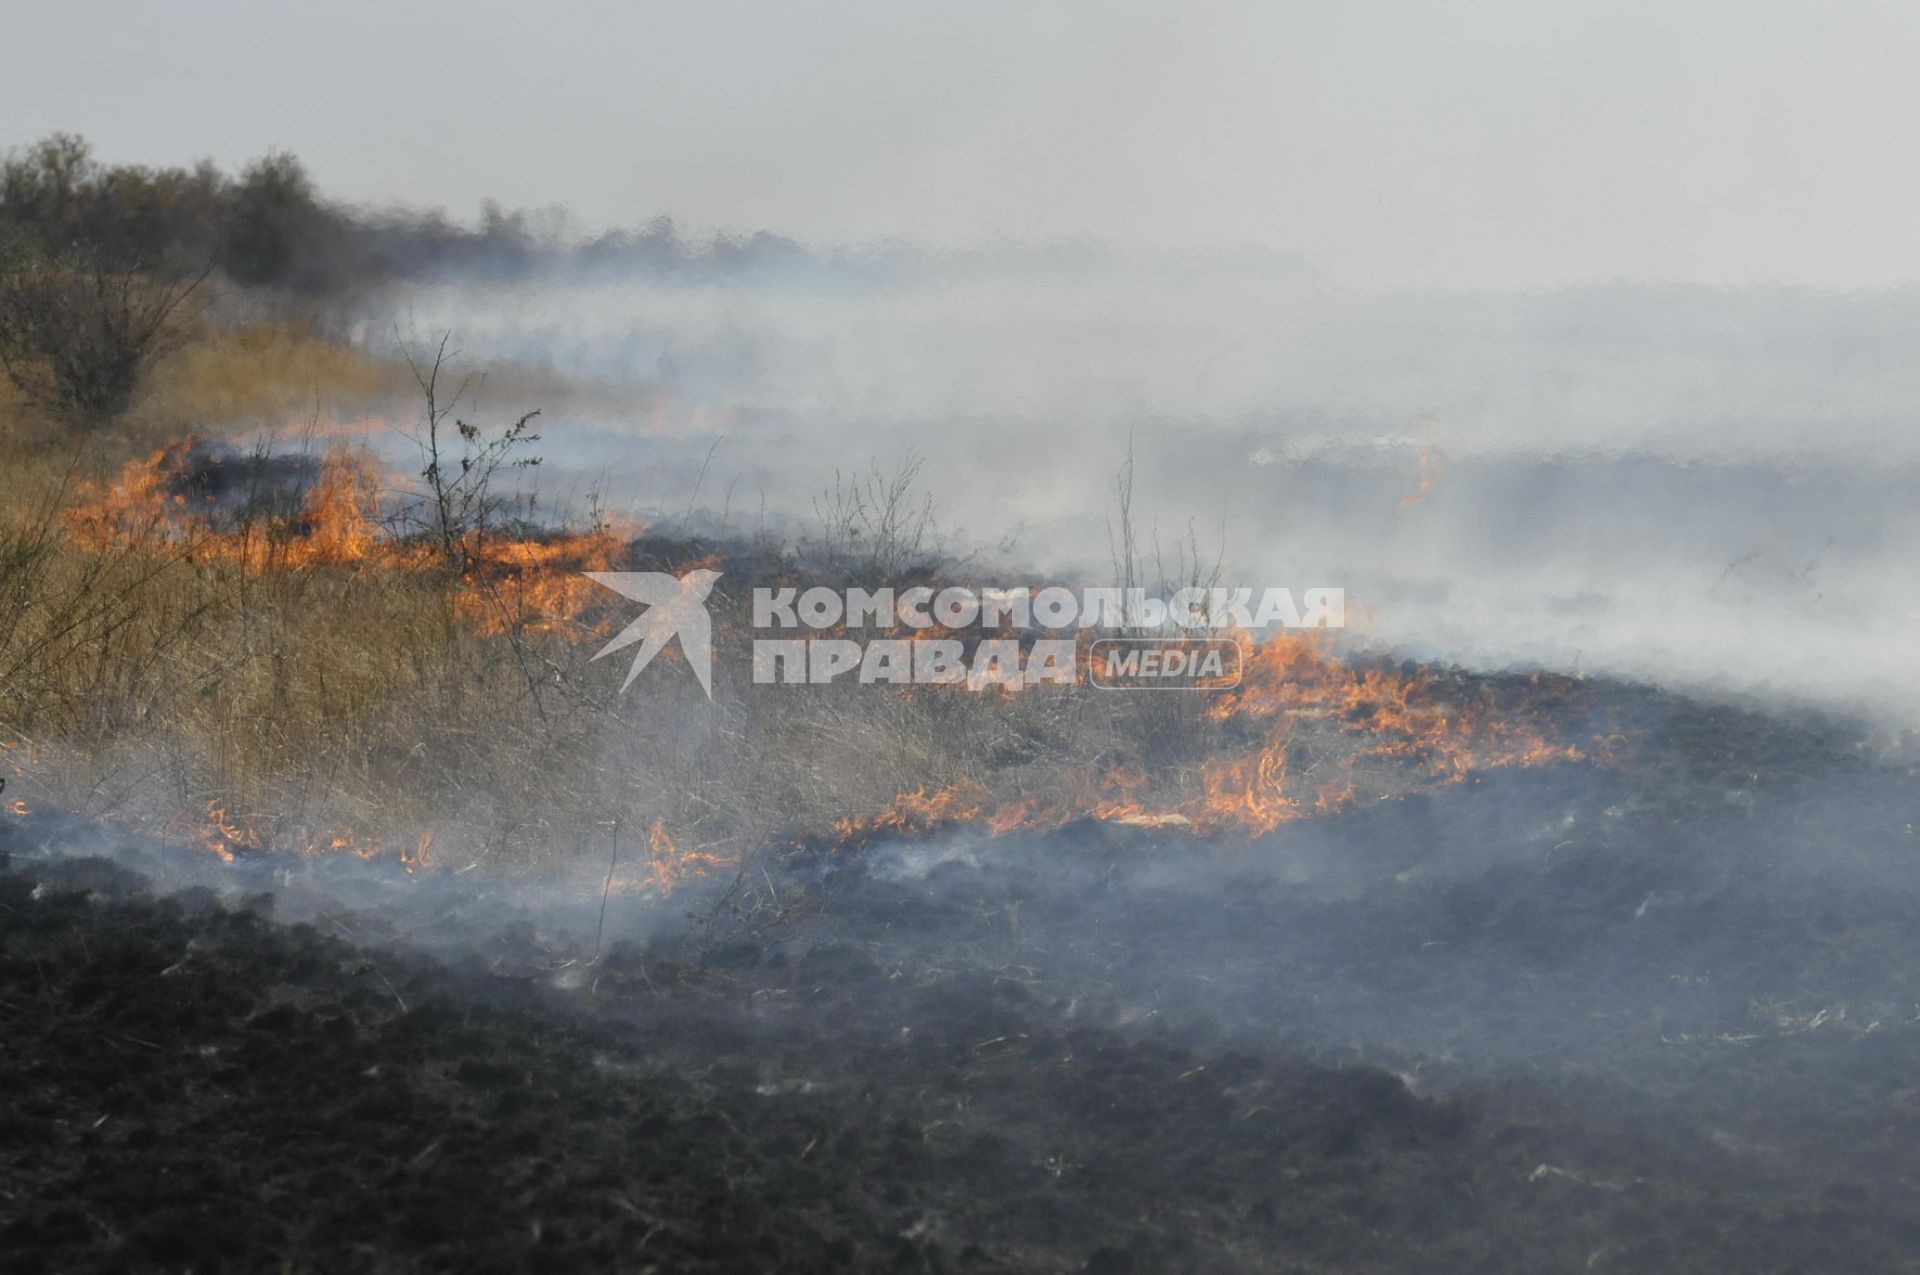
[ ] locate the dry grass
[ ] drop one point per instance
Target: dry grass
(271, 373)
(314, 702)
(311, 703)
(154, 686)
(306, 704)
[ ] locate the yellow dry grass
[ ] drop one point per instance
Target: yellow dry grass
(269, 373)
(154, 685)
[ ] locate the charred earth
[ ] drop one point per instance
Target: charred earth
(1655, 1013)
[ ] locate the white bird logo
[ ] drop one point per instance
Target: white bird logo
(675, 608)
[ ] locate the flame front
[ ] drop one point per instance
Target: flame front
(668, 866)
(509, 585)
(1295, 693)
(1288, 680)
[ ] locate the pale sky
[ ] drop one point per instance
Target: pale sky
(1504, 143)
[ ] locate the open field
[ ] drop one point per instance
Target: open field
(1549, 910)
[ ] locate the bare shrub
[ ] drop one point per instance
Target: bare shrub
(78, 332)
(874, 521)
(1166, 728)
(459, 465)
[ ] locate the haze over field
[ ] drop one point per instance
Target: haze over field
(1626, 276)
(1699, 486)
(1556, 915)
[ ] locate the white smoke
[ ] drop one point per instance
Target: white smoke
(1708, 488)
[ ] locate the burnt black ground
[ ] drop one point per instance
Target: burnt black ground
(1662, 1014)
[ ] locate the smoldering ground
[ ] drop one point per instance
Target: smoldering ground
(1648, 1007)
(1645, 1005)
(1651, 1014)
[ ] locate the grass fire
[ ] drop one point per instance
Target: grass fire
(1147, 711)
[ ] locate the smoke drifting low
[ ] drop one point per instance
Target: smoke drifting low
(1706, 488)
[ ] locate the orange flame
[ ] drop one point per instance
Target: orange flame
(1433, 463)
(530, 584)
(1293, 677)
(420, 858)
(220, 834)
(227, 835)
(669, 867)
